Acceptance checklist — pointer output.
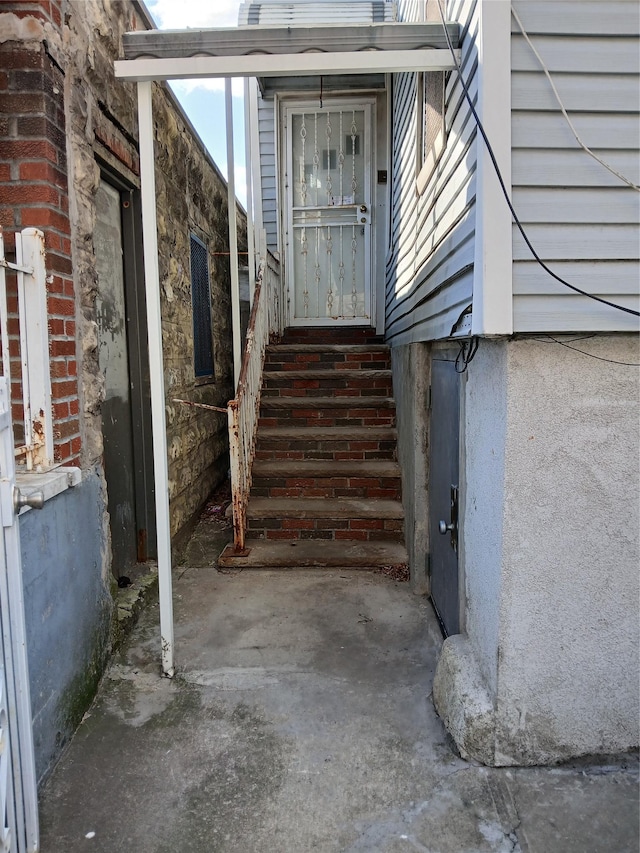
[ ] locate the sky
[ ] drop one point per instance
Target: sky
(203, 100)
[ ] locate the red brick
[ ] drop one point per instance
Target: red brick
(61, 306)
(76, 445)
(43, 171)
(5, 174)
(58, 263)
(73, 367)
(366, 524)
(17, 103)
(62, 451)
(360, 535)
(74, 407)
(56, 326)
(43, 217)
(59, 348)
(23, 149)
(60, 390)
(60, 410)
(66, 429)
(29, 193)
(297, 524)
(281, 534)
(20, 57)
(59, 370)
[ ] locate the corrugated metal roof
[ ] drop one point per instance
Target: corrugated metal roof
(278, 13)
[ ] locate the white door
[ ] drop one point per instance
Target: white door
(18, 795)
(328, 216)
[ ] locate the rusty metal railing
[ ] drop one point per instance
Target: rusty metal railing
(243, 411)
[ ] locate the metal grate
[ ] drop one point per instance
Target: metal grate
(201, 302)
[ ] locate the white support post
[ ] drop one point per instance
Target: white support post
(34, 347)
(156, 371)
(256, 177)
(251, 254)
(233, 237)
(493, 263)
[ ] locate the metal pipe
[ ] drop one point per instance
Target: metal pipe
(233, 237)
(156, 372)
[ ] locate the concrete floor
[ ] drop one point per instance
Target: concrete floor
(301, 720)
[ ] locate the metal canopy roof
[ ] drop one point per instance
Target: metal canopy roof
(258, 51)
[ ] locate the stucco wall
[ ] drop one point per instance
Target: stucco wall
(569, 641)
(551, 554)
(411, 375)
(67, 611)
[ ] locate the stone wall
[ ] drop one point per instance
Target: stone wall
(65, 122)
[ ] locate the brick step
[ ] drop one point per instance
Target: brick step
(339, 443)
(327, 411)
(330, 479)
(316, 383)
(317, 518)
(327, 357)
(301, 554)
(331, 334)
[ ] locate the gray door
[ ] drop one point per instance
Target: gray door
(443, 492)
(114, 364)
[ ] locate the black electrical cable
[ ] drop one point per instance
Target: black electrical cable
(506, 193)
(551, 339)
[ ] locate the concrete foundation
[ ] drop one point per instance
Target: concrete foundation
(547, 667)
(67, 610)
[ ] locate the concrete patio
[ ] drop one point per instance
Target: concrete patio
(301, 720)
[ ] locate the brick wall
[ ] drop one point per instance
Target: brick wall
(34, 193)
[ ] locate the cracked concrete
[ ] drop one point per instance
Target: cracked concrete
(295, 724)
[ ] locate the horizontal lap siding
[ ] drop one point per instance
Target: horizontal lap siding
(579, 217)
(430, 259)
(266, 124)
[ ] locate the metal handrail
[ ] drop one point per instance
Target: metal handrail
(243, 411)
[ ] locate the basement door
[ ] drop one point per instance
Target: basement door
(125, 416)
(443, 492)
(328, 214)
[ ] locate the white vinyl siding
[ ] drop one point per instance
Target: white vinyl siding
(267, 136)
(580, 218)
(429, 275)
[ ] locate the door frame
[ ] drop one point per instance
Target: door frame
(136, 331)
(288, 107)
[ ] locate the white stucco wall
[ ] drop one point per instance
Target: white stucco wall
(551, 555)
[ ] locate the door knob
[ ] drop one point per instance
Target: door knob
(445, 528)
(35, 500)
(363, 208)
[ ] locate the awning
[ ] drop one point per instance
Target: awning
(257, 51)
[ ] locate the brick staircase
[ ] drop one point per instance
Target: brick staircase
(326, 483)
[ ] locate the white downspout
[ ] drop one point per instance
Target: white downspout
(233, 238)
(156, 372)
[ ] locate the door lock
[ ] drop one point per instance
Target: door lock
(363, 208)
(35, 500)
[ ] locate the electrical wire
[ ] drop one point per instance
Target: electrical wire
(551, 339)
(564, 112)
(505, 192)
(466, 354)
